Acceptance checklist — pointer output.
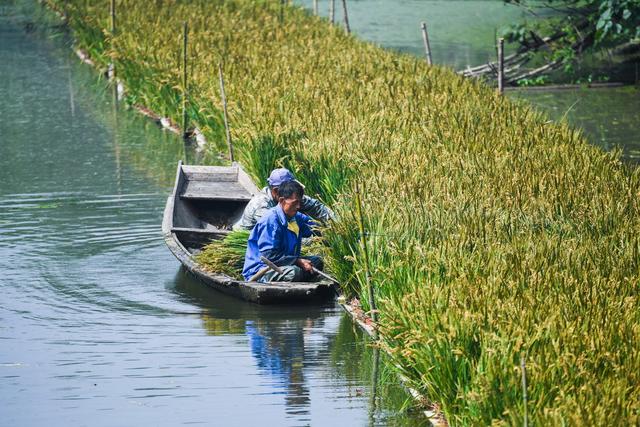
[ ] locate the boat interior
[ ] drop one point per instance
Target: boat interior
(208, 201)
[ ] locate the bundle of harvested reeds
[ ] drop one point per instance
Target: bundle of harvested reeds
(225, 255)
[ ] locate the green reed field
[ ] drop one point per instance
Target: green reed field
(495, 235)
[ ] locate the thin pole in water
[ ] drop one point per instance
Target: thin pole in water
(224, 111)
(523, 366)
(111, 72)
(113, 17)
(425, 40)
(315, 7)
(332, 11)
(373, 401)
(365, 252)
(501, 65)
(185, 36)
(346, 16)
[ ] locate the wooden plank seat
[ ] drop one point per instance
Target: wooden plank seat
(207, 190)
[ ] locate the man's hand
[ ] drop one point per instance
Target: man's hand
(305, 264)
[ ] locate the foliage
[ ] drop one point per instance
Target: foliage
(578, 26)
(493, 233)
(225, 255)
(534, 81)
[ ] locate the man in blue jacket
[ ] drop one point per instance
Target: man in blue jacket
(278, 235)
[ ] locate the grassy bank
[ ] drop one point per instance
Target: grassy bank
(495, 235)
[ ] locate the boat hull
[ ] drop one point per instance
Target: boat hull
(187, 227)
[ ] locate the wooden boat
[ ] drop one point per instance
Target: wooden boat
(205, 203)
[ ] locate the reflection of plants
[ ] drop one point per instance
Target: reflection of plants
(592, 79)
(493, 233)
(215, 326)
(352, 356)
(139, 142)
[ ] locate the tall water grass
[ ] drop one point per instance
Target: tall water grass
(494, 234)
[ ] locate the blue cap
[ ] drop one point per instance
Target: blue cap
(279, 177)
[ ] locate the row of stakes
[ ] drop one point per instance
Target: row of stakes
(425, 39)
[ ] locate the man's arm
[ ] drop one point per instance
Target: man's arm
(305, 223)
(316, 209)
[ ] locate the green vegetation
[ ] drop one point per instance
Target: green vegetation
(577, 28)
(494, 234)
(226, 255)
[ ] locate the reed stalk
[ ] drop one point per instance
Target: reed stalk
(185, 90)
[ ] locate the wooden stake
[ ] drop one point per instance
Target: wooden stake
(332, 11)
(373, 401)
(523, 366)
(224, 111)
(185, 35)
(315, 7)
(113, 17)
(365, 253)
(111, 72)
(501, 65)
(425, 40)
(346, 17)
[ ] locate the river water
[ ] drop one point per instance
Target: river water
(98, 323)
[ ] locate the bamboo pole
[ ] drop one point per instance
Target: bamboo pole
(111, 72)
(332, 11)
(346, 16)
(185, 37)
(113, 17)
(226, 116)
(427, 45)
(373, 401)
(315, 7)
(501, 65)
(365, 253)
(523, 366)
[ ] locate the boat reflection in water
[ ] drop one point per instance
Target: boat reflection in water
(280, 353)
(309, 360)
(286, 342)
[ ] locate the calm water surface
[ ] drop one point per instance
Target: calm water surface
(98, 324)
